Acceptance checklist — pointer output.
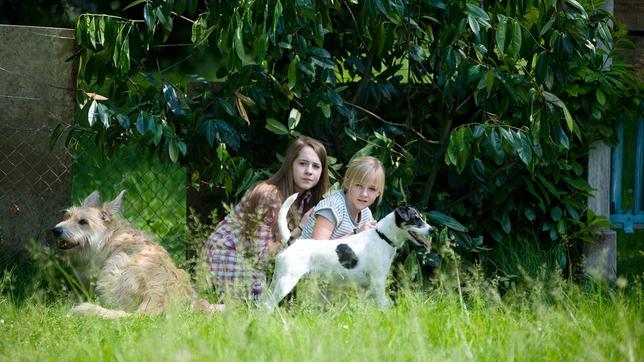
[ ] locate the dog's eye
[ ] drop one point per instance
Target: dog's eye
(82, 222)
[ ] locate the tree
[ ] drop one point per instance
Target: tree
(480, 110)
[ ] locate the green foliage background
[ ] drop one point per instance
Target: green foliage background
(483, 111)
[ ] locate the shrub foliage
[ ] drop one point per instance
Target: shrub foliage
(481, 110)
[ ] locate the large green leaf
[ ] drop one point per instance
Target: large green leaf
(239, 42)
(276, 127)
(228, 135)
(495, 146)
(172, 99)
(103, 114)
(442, 219)
(210, 130)
(489, 81)
(220, 131)
(474, 25)
(292, 73)
(164, 19)
(556, 101)
(173, 150)
(549, 186)
(124, 57)
(141, 123)
(601, 98)
(91, 29)
(479, 15)
(500, 35)
(458, 150)
(100, 30)
(517, 39)
(293, 118)
(201, 32)
(149, 17)
(524, 149)
(578, 7)
(277, 15)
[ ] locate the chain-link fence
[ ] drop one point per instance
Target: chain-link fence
(156, 192)
(37, 182)
(33, 181)
(33, 177)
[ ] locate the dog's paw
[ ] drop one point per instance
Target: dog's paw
(89, 309)
(204, 305)
(83, 309)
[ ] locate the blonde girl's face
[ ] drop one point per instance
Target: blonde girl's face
(362, 195)
(307, 168)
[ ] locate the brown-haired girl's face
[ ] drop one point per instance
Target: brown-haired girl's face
(307, 168)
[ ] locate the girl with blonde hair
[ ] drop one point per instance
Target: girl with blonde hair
(347, 212)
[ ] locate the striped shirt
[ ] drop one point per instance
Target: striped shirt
(336, 210)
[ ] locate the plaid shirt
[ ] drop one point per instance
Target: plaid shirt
(239, 264)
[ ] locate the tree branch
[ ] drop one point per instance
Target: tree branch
(420, 135)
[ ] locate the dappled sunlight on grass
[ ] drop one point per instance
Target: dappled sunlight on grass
(553, 320)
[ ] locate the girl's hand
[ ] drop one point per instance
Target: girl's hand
(305, 218)
(368, 225)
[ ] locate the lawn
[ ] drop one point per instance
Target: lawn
(541, 321)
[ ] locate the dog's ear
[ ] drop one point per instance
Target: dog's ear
(402, 214)
(114, 206)
(93, 200)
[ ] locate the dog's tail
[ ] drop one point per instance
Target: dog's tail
(89, 309)
(282, 222)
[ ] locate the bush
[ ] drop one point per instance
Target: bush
(484, 111)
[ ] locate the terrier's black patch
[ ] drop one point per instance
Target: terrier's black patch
(346, 256)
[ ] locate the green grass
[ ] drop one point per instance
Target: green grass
(554, 321)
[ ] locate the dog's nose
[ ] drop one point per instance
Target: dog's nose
(57, 231)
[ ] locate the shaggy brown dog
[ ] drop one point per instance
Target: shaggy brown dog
(134, 273)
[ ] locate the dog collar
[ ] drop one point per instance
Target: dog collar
(385, 238)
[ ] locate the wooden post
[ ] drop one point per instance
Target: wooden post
(600, 258)
(37, 92)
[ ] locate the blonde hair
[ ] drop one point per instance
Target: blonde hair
(362, 168)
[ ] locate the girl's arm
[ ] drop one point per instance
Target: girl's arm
(300, 228)
(323, 228)
(368, 225)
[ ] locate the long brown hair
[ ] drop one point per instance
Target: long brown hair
(282, 183)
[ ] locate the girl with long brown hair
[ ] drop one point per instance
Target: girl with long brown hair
(238, 252)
